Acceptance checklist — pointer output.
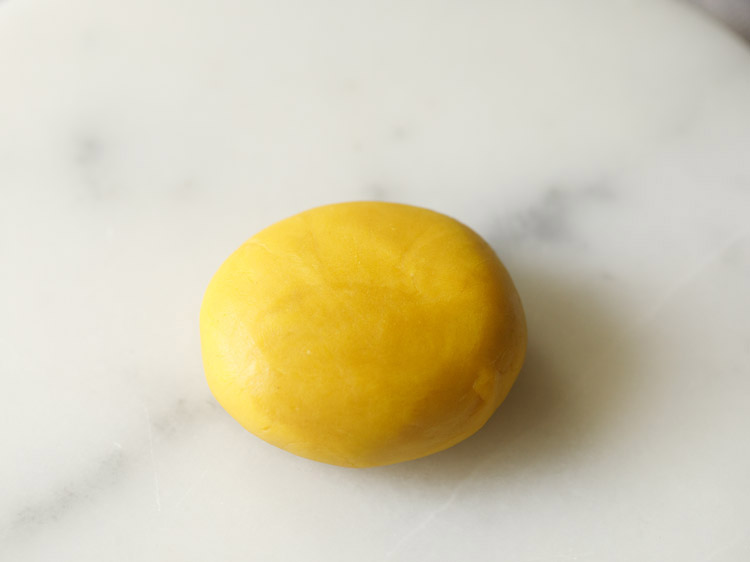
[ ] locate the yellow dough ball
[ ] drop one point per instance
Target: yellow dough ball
(362, 334)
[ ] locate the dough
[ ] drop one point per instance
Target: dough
(362, 334)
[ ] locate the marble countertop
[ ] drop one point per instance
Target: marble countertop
(601, 146)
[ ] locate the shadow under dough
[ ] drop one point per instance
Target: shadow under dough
(574, 379)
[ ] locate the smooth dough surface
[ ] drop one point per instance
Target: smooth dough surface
(362, 334)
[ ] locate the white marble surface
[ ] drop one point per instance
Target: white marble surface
(601, 146)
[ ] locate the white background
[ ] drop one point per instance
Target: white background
(601, 146)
